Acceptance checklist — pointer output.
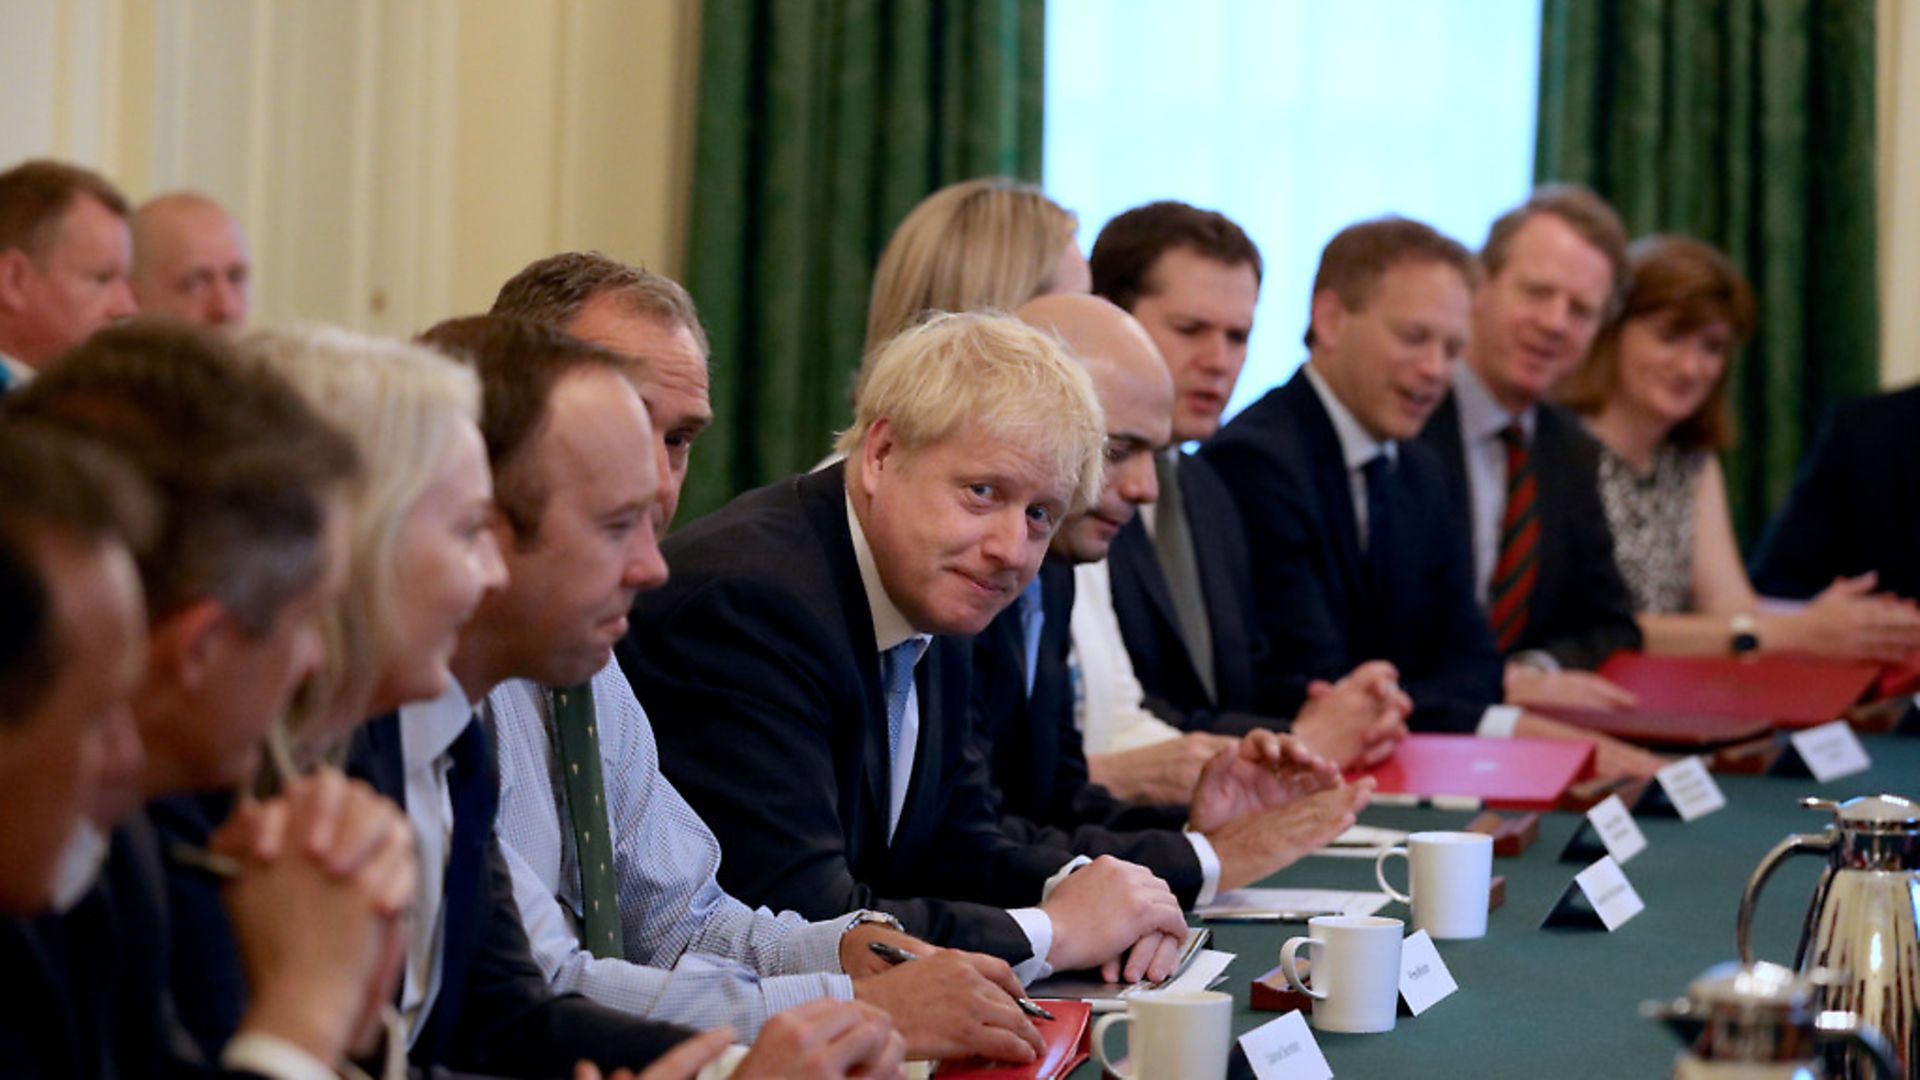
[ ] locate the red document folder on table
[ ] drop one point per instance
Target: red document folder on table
(1504, 774)
(1066, 1039)
(1899, 679)
(1784, 691)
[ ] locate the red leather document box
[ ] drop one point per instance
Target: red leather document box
(1505, 774)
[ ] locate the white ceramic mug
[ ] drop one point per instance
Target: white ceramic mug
(1356, 973)
(1176, 1033)
(1448, 878)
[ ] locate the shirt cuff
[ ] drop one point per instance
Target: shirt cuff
(1498, 722)
(1060, 875)
(271, 1055)
(1038, 927)
(1209, 868)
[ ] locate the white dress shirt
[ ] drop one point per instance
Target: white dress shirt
(1485, 453)
(693, 954)
(890, 628)
(1109, 705)
(427, 732)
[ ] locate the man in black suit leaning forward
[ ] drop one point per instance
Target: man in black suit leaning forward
(808, 670)
(1260, 805)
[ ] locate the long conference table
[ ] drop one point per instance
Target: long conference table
(1565, 1003)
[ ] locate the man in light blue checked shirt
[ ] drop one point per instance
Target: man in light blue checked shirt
(693, 954)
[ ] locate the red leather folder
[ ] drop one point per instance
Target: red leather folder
(1504, 774)
(1901, 679)
(1688, 732)
(1784, 691)
(1066, 1039)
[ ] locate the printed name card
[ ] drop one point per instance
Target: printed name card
(1424, 978)
(1623, 838)
(1690, 788)
(1831, 751)
(1610, 893)
(1284, 1049)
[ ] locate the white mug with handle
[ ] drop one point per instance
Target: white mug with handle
(1176, 1033)
(1448, 878)
(1356, 976)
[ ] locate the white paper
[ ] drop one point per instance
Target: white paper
(1424, 978)
(1831, 751)
(1285, 1049)
(1691, 788)
(1610, 893)
(1623, 838)
(1206, 967)
(1255, 901)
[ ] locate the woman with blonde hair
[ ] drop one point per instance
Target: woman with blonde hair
(1655, 393)
(984, 244)
(421, 553)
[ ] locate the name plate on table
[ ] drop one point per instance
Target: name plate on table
(1609, 829)
(1424, 978)
(1690, 788)
(1285, 1049)
(1600, 894)
(1831, 751)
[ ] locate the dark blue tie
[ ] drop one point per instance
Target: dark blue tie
(473, 785)
(1377, 561)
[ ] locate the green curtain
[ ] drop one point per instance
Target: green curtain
(1749, 124)
(821, 123)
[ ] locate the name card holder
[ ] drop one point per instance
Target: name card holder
(1285, 1049)
(1512, 834)
(1825, 753)
(1598, 898)
(1606, 829)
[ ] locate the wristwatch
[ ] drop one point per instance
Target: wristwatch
(1743, 635)
(872, 918)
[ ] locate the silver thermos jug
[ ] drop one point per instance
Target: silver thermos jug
(1862, 923)
(1763, 1022)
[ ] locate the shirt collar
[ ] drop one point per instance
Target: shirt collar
(1481, 417)
(428, 728)
(890, 627)
(1356, 446)
(19, 373)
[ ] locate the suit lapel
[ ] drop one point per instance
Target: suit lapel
(823, 498)
(1133, 556)
(1331, 482)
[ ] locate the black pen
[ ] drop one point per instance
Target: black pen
(895, 955)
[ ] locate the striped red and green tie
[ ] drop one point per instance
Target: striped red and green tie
(1511, 591)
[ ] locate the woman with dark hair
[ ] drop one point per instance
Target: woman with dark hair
(1655, 393)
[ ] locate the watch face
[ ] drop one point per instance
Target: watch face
(1745, 643)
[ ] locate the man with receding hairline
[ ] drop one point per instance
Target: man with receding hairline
(637, 313)
(190, 261)
(64, 259)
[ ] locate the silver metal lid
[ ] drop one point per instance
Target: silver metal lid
(1871, 813)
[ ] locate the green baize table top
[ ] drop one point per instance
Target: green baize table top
(1563, 1004)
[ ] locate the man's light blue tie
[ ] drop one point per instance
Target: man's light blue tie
(1032, 618)
(896, 672)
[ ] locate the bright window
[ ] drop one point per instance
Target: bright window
(1294, 118)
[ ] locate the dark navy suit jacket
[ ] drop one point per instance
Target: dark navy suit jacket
(1282, 460)
(1038, 766)
(758, 665)
(1855, 506)
(1150, 624)
(1581, 612)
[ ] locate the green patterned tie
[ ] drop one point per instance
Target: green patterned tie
(577, 744)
